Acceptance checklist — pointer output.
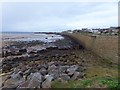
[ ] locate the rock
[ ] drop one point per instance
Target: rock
(81, 69)
(13, 82)
(43, 71)
(52, 67)
(6, 67)
(23, 85)
(52, 48)
(17, 76)
(35, 80)
(74, 77)
(23, 67)
(72, 69)
(16, 70)
(22, 51)
(42, 51)
(47, 82)
(81, 75)
(63, 68)
(50, 63)
(65, 77)
(27, 73)
(43, 66)
(55, 73)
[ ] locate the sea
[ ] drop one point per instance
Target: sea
(29, 36)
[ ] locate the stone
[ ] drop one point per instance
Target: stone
(52, 67)
(17, 76)
(47, 83)
(35, 80)
(63, 68)
(81, 76)
(22, 50)
(43, 71)
(50, 63)
(65, 77)
(75, 76)
(72, 69)
(23, 85)
(55, 73)
(13, 83)
(16, 70)
(27, 73)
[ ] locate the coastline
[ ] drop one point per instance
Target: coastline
(71, 62)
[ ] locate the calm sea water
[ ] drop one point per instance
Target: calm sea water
(30, 36)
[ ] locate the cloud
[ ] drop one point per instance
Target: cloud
(53, 16)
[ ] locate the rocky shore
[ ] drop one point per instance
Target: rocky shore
(37, 64)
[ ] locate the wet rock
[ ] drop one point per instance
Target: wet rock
(22, 51)
(42, 51)
(7, 53)
(47, 83)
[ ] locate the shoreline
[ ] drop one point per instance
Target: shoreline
(64, 60)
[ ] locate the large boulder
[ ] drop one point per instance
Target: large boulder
(72, 69)
(75, 76)
(17, 76)
(63, 68)
(64, 77)
(52, 67)
(15, 80)
(47, 83)
(35, 80)
(21, 51)
(55, 73)
(43, 71)
(13, 83)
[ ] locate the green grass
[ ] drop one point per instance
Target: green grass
(97, 82)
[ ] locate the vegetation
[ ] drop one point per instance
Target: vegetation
(98, 82)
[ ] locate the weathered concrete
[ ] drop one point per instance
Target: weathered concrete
(104, 46)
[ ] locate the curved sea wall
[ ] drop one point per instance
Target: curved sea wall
(102, 45)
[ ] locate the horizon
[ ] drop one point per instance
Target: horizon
(53, 31)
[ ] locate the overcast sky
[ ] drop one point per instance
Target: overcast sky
(51, 16)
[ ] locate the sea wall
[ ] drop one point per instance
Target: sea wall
(102, 45)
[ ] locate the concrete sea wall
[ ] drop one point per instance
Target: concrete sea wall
(102, 45)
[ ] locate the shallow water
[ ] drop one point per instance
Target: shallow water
(30, 37)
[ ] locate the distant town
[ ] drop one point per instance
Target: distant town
(99, 31)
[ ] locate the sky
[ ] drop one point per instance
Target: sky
(57, 16)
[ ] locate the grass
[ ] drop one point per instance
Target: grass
(96, 77)
(98, 82)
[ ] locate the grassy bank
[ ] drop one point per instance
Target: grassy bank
(100, 73)
(96, 82)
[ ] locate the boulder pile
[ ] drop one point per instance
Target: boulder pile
(41, 75)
